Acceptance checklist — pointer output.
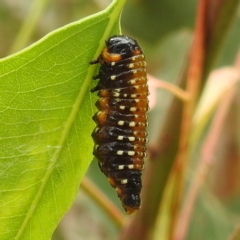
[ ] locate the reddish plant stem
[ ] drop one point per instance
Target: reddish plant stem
(193, 83)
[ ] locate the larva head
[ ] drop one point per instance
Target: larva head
(131, 203)
(123, 46)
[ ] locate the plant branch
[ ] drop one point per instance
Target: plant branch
(96, 195)
(175, 90)
(193, 83)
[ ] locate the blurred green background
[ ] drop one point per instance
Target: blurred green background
(164, 29)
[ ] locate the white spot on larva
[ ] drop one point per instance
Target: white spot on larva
(116, 94)
(133, 95)
(120, 167)
(96, 129)
(124, 181)
(144, 63)
(118, 90)
(133, 109)
(96, 147)
(134, 71)
(133, 58)
(136, 116)
(119, 152)
(120, 123)
(132, 81)
(125, 95)
(132, 124)
(131, 65)
(113, 77)
(117, 100)
(131, 139)
(120, 138)
(130, 166)
(113, 63)
(131, 153)
(137, 100)
(122, 107)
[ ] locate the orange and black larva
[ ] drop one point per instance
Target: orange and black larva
(120, 134)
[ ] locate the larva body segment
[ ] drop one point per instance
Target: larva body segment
(120, 135)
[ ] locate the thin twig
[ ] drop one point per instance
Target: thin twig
(175, 90)
(111, 210)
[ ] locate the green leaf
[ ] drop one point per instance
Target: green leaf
(45, 114)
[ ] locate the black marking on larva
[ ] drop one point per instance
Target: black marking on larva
(120, 135)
